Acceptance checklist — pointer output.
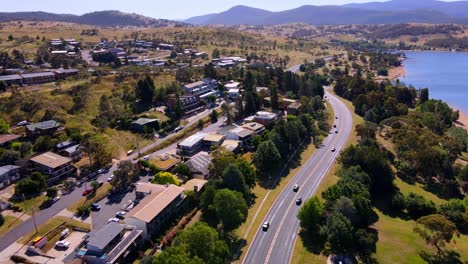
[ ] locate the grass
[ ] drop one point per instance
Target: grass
(35, 203)
(417, 188)
(9, 223)
(88, 200)
(262, 209)
(52, 229)
(164, 164)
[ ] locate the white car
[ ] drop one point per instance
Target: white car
(113, 219)
(120, 214)
(110, 178)
(333, 149)
(265, 226)
(55, 199)
(62, 244)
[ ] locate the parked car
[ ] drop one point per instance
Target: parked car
(62, 244)
(179, 128)
(265, 226)
(95, 207)
(113, 219)
(130, 152)
(100, 183)
(87, 191)
(56, 199)
(101, 171)
(120, 214)
(109, 179)
(296, 187)
(64, 233)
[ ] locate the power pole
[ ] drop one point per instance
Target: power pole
(34, 219)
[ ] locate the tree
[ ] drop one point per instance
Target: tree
(214, 116)
(209, 71)
(228, 112)
(338, 232)
(164, 177)
(9, 157)
(206, 204)
(94, 185)
(96, 148)
(176, 255)
(417, 206)
(126, 173)
(31, 185)
(10, 38)
(183, 169)
(274, 98)
(145, 90)
(203, 241)
(436, 230)
(231, 208)
(4, 127)
(310, 215)
(3, 86)
(25, 149)
(267, 158)
(234, 180)
(424, 95)
(215, 54)
(220, 159)
(51, 192)
(200, 124)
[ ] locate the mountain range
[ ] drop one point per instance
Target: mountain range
(110, 18)
(390, 12)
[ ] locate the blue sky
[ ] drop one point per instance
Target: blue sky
(175, 9)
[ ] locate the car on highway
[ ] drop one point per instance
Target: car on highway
(336, 131)
(120, 214)
(113, 219)
(95, 207)
(333, 149)
(109, 179)
(336, 117)
(87, 191)
(56, 199)
(62, 244)
(265, 226)
(334, 126)
(299, 201)
(296, 187)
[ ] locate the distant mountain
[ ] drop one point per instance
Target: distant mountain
(109, 18)
(330, 15)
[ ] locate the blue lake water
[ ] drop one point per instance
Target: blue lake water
(444, 73)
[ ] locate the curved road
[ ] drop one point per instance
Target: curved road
(276, 245)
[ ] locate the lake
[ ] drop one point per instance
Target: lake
(444, 73)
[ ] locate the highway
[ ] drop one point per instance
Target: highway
(276, 245)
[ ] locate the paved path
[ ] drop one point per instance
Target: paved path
(277, 244)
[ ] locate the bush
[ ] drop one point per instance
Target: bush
(165, 178)
(417, 206)
(83, 210)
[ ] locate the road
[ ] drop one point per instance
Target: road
(276, 245)
(297, 67)
(109, 208)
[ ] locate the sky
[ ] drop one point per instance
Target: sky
(175, 9)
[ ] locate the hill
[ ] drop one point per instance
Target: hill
(110, 18)
(324, 15)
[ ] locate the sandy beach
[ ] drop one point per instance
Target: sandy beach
(396, 72)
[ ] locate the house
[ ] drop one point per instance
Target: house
(236, 133)
(38, 78)
(64, 73)
(232, 145)
(164, 46)
(13, 79)
(196, 88)
(255, 127)
(73, 152)
(206, 96)
(265, 118)
(42, 128)
(144, 189)
(54, 166)
(294, 108)
(191, 145)
(196, 185)
(165, 162)
(212, 140)
(233, 93)
(156, 210)
(199, 163)
(142, 124)
(6, 139)
(232, 85)
(110, 244)
(190, 104)
(8, 175)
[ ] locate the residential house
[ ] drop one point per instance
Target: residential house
(237, 133)
(294, 108)
(6, 139)
(108, 245)
(191, 145)
(255, 127)
(38, 78)
(42, 128)
(233, 93)
(232, 85)
(199, 163)
(156, 210)
(232, 145)
(142, 124)
(265, 118)
(190, 104)
(8, 175)
(144, 189)
(212, 140)
(73, 152)
(54, 166)
(13, 79)
(196, 185)
(196, 88)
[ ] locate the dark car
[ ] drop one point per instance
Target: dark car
(299, 201)
(95, 207)
(334, 126)
(265, 226)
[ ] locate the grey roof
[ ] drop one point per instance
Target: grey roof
(72, 149)
(195, 84)
(144, 121)
(192, 140)
(225, 129)
(37, 74)
(199, 163)
(101, 238)
(66, 70)
(65, 144)
(43, 125)
(10, 77)
(7, 168)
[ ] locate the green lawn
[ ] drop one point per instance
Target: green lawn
(88, 200)
(26, 205)
(9, 223)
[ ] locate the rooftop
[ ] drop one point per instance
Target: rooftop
(152, 205)
(295, 105)
(66, 70)
(232, 85)
(37, 74)
(192, 140)
(242, 132)
(199, 163)
(101, 238)
(195, 84)
(265, 115)
(51, 160)
(147, 187)
(144, 121)
(6, 168)
(43, 125)
(253, 126)
(190, 185)
(230, 144)
(7, 138)
(72, 149)
(214, 137)
(10, 77)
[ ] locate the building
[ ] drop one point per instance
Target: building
(142, 124)
(65, 144)
(199, 163)
(38, 78)
(6, 139)
(233, 93)
(144, 189)
(65, 73)
(42, 128)
(164, 46)
(265, 118)
(156, 210)
(11, 79)
(196, 88)
(191, 145)
(196, 185)
(294, 108)
(110, 244)
(232, 85)
(73, 152)
(263, 91)
(232, 145)
(212, 140)
(8, 175)
(54, 166)
(190, 104)
(237, 133)
(255, 127)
